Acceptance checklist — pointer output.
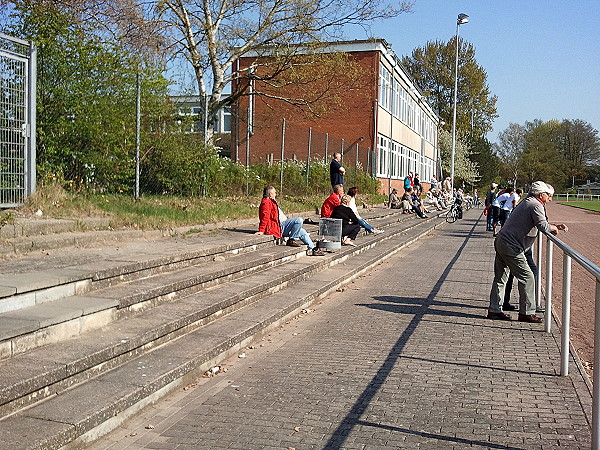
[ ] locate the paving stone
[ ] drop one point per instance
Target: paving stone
(395, 362)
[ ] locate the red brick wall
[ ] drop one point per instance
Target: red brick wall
(352, 119)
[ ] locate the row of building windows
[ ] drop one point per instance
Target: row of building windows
(395, 99)
(396, 161)
(222, 120)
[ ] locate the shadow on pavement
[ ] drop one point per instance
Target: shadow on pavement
(352, 419)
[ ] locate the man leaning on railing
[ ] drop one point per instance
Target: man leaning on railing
(516, 236)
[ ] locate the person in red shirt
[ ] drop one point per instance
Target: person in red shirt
(274, 222)
(332, 201)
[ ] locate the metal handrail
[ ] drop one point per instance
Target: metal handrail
(570, 255)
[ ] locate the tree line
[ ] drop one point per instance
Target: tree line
(92, 52)
(562, 152)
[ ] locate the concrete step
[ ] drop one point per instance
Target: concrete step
(159, 350)
(142, 298)
(118, 290)
(33, 281)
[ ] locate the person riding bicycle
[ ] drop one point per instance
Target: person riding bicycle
(458, 201)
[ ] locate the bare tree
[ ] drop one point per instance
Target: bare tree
(213, 34)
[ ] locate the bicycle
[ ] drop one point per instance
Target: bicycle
(455, 212)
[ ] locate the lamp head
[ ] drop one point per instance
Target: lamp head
(462, 18)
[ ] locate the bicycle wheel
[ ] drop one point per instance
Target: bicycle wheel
(451, 215)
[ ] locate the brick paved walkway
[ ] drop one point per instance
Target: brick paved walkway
(402, 358)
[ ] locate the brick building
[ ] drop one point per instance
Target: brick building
(384, 122)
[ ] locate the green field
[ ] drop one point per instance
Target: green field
(592, 205)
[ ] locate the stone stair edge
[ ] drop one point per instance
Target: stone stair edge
(199, 315)
(196, 366)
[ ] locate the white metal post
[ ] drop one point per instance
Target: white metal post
(549, 262)
(596, 394)
(138, 113)
(282, 155)
(566, 316)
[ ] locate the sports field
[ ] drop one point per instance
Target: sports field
(590, 205)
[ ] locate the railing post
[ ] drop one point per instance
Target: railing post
(538, 276)
(549, 262)
(566, 316)
(596, 393)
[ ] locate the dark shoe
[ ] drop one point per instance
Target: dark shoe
(498, 316)
(293, 243)
(530, 318)
(315, 252)
(509, 307)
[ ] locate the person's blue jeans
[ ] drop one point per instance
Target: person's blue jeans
(292, 228)
(366, 225)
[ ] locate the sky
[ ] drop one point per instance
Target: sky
(542, 57)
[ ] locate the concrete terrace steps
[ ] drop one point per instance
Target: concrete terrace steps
(26, 236)
(53, 368)
(55, 307)
(73, 297)
(61, 319)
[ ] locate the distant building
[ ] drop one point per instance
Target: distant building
(589, 188)
(387, 125)
(189, 116)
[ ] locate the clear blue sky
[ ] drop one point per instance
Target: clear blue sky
(542, 57)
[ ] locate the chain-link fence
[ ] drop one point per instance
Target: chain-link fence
(180, 163)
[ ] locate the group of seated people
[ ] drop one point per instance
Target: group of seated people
(343, 206)
(274, 222)
(411, 202)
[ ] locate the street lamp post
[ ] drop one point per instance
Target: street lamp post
(462, 18)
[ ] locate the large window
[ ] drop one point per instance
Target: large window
(382, 161)
(385, 87)
(396, 161)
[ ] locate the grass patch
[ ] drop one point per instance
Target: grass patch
(590, 205)
(160, 212)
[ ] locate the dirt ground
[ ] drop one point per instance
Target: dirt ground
(584, 237)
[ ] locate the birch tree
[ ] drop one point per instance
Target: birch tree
(213, 34)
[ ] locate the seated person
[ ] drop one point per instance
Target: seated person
(352, 192)
(407, 201)
(415, 202)
(431, 199)
(332, 201)
(394, 201)
(350, 226)
(275, 223)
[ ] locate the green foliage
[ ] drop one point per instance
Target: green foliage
(432, 66)
(485, 159)
(86, 99)
(553, 151)
(465, 170)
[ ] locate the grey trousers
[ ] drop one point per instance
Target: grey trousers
(510, 259)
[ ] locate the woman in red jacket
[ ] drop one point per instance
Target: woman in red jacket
(275, 223)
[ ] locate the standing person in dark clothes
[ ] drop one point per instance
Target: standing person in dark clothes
(350, 223)
(489, 199)
(336, 171)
